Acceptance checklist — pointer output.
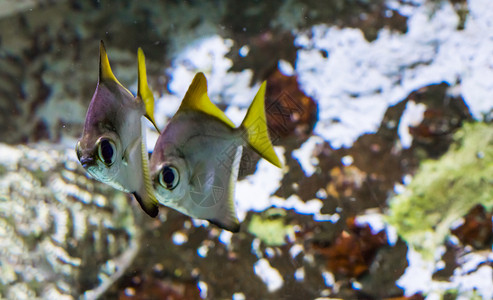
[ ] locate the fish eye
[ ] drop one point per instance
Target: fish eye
(169, 177)
(106, 151)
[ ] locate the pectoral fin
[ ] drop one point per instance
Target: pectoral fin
(144, 92)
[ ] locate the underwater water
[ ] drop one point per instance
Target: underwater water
(379, 110)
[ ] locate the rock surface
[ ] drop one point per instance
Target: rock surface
(62, 234)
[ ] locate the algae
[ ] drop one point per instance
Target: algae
(270, 227)
(444, 190)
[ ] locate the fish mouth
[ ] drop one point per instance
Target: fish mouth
(86, 162)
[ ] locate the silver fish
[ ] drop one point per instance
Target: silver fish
(194, 165)
(112, 148)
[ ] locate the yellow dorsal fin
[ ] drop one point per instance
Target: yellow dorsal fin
(197, 99)
(255, 126)
(144, 92)
(105, 73)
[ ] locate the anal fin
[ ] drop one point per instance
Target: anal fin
(150, 208)
(233, 226)
(145, 194)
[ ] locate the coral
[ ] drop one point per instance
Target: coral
(290, 113)
(354, 80)
(267, 29)
(62, 234)
(352, 252)
(444, 190)
(443, 115)
(477, 229)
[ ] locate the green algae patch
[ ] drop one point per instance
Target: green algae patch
(444, 190)
(270, 227)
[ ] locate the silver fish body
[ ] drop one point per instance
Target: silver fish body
(194, 166)
(112, 147)
(207, 164)
(105, 124)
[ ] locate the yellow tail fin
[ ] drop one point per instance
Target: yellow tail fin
(144, 92)
(255, 126)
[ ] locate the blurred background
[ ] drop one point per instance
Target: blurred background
(381, 111)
